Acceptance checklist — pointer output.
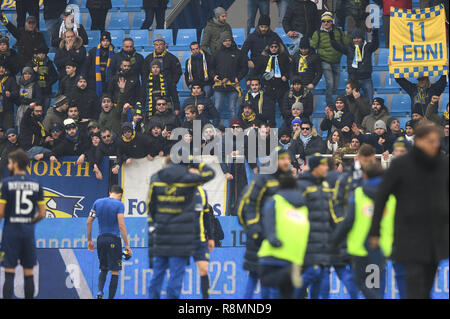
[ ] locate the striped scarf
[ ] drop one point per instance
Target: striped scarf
(128, 140)
(1, 84)
(302, 65)
(42, 72)
(225, 82)
(98, 74)
(249, 118)
(162, 92)
(205, 67)
(358, 55)
(276, 67)
(260, 101)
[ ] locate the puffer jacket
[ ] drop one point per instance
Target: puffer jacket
(77, 54)
(172, 220)
(322, 43)
(318, 198)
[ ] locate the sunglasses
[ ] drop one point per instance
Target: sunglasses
(327, 21)
(306, 128)
(161, 103)
(55, 130)
(70, 127)
(106, 136)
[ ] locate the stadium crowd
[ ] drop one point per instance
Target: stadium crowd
(117, 103)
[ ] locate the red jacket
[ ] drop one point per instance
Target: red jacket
(387, 4)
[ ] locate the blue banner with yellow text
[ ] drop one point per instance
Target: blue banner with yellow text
(418, 44)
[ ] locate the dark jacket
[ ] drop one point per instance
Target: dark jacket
(209, 113)
(165, 118)
(275, 87)
(211, 35)
(312, 70)
(249, 213)
(359, 107)
(257, 42)
(27, 42)
(298, 151)
(72, 147)
(171, 68)
(364, 69)
(53, 9)
(197, 73)
(301, 16)
(318, 198)
(304, 96)
(53, 116)
(10, 85)
(267, 111)
(29, 91)
(340, 120)
(10, 147)
(172, 224)
(55, 40)
(132, 87)
(138, 147)
(287, 123)
(373, 138)
(77, 54)
(421, 186)
(67, 85)
(11, 60)
(229, 63)
(154, 3)
(87, 102)
(46, 75)
(136, 59)
(412, 89)
(88, 69)
(31, 131)
(98, 4)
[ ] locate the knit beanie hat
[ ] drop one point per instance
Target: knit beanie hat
(304, 43)
(296, 120)
(327, 16)
(297, 106)
(264, 20)
(225, 36)
(380, 124)
(219, 11)
(315, 161)
(28, 69)
(357, 33)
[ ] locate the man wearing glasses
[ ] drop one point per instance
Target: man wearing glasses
(75, 143)
(330, 57)
(163, 115)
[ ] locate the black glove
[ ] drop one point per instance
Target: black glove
(275, 242)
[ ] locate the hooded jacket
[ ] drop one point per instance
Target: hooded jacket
(420, 185)
(256, 42)
(172, 220)
(77, 54)
(301, 16)
(72, 147)
(318, 198)
(29, 91)
(211, 35)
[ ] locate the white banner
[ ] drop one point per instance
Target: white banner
(136, 181)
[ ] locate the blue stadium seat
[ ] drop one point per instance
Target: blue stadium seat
(118, 4)
(321, 104)
(376, 78)
(93, 37)
(284, 37)
(384, 97)
(88, 23)
(403, 121)
(320, 87)
(117, 37)
(383, 59)
(343, 63)
(12, 41)
(185, 37)
(134, 3)
(51, 56)
(392, 88)
(185, 57)
(401, 105)
(165, 33)
(145, 53)
(239, 36)
(119, 21)
(140, 38)
(342, 82)
(138, 19)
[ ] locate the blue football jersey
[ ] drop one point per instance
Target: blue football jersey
(21, 194)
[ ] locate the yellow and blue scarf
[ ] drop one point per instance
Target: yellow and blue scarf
(98, 74)
(162, 87)
(276, 67)
(205, 67)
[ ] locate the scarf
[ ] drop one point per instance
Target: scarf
(305, 139)
(225, 82)
(160, 57)
(98, 74)
(150, 91)
(249, 118)
(421, 94)
(358, 55)
(42, 71)
(42, 127)
(62, 29)
(276, 66)
(73, 140)
(446, 115)
(128, 140)
(205, 67)
(332, 146)
(260, 101)
(338, 115)
(2, 81)
(302, 65)
(131, 56)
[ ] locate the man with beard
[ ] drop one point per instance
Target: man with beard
(198, 69)
(132, 85)
(163, 115)
(32, 133)
(85, 99)
(11, 146)
(297, 93)
(358, 104)
(75, 143)
(263, 105)
(133, 145)
(211, 40)
(379, 112)
(70, 49)
(381, 140)
(170, 69)
(127, 51)
(97, 63)
(272, 66)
